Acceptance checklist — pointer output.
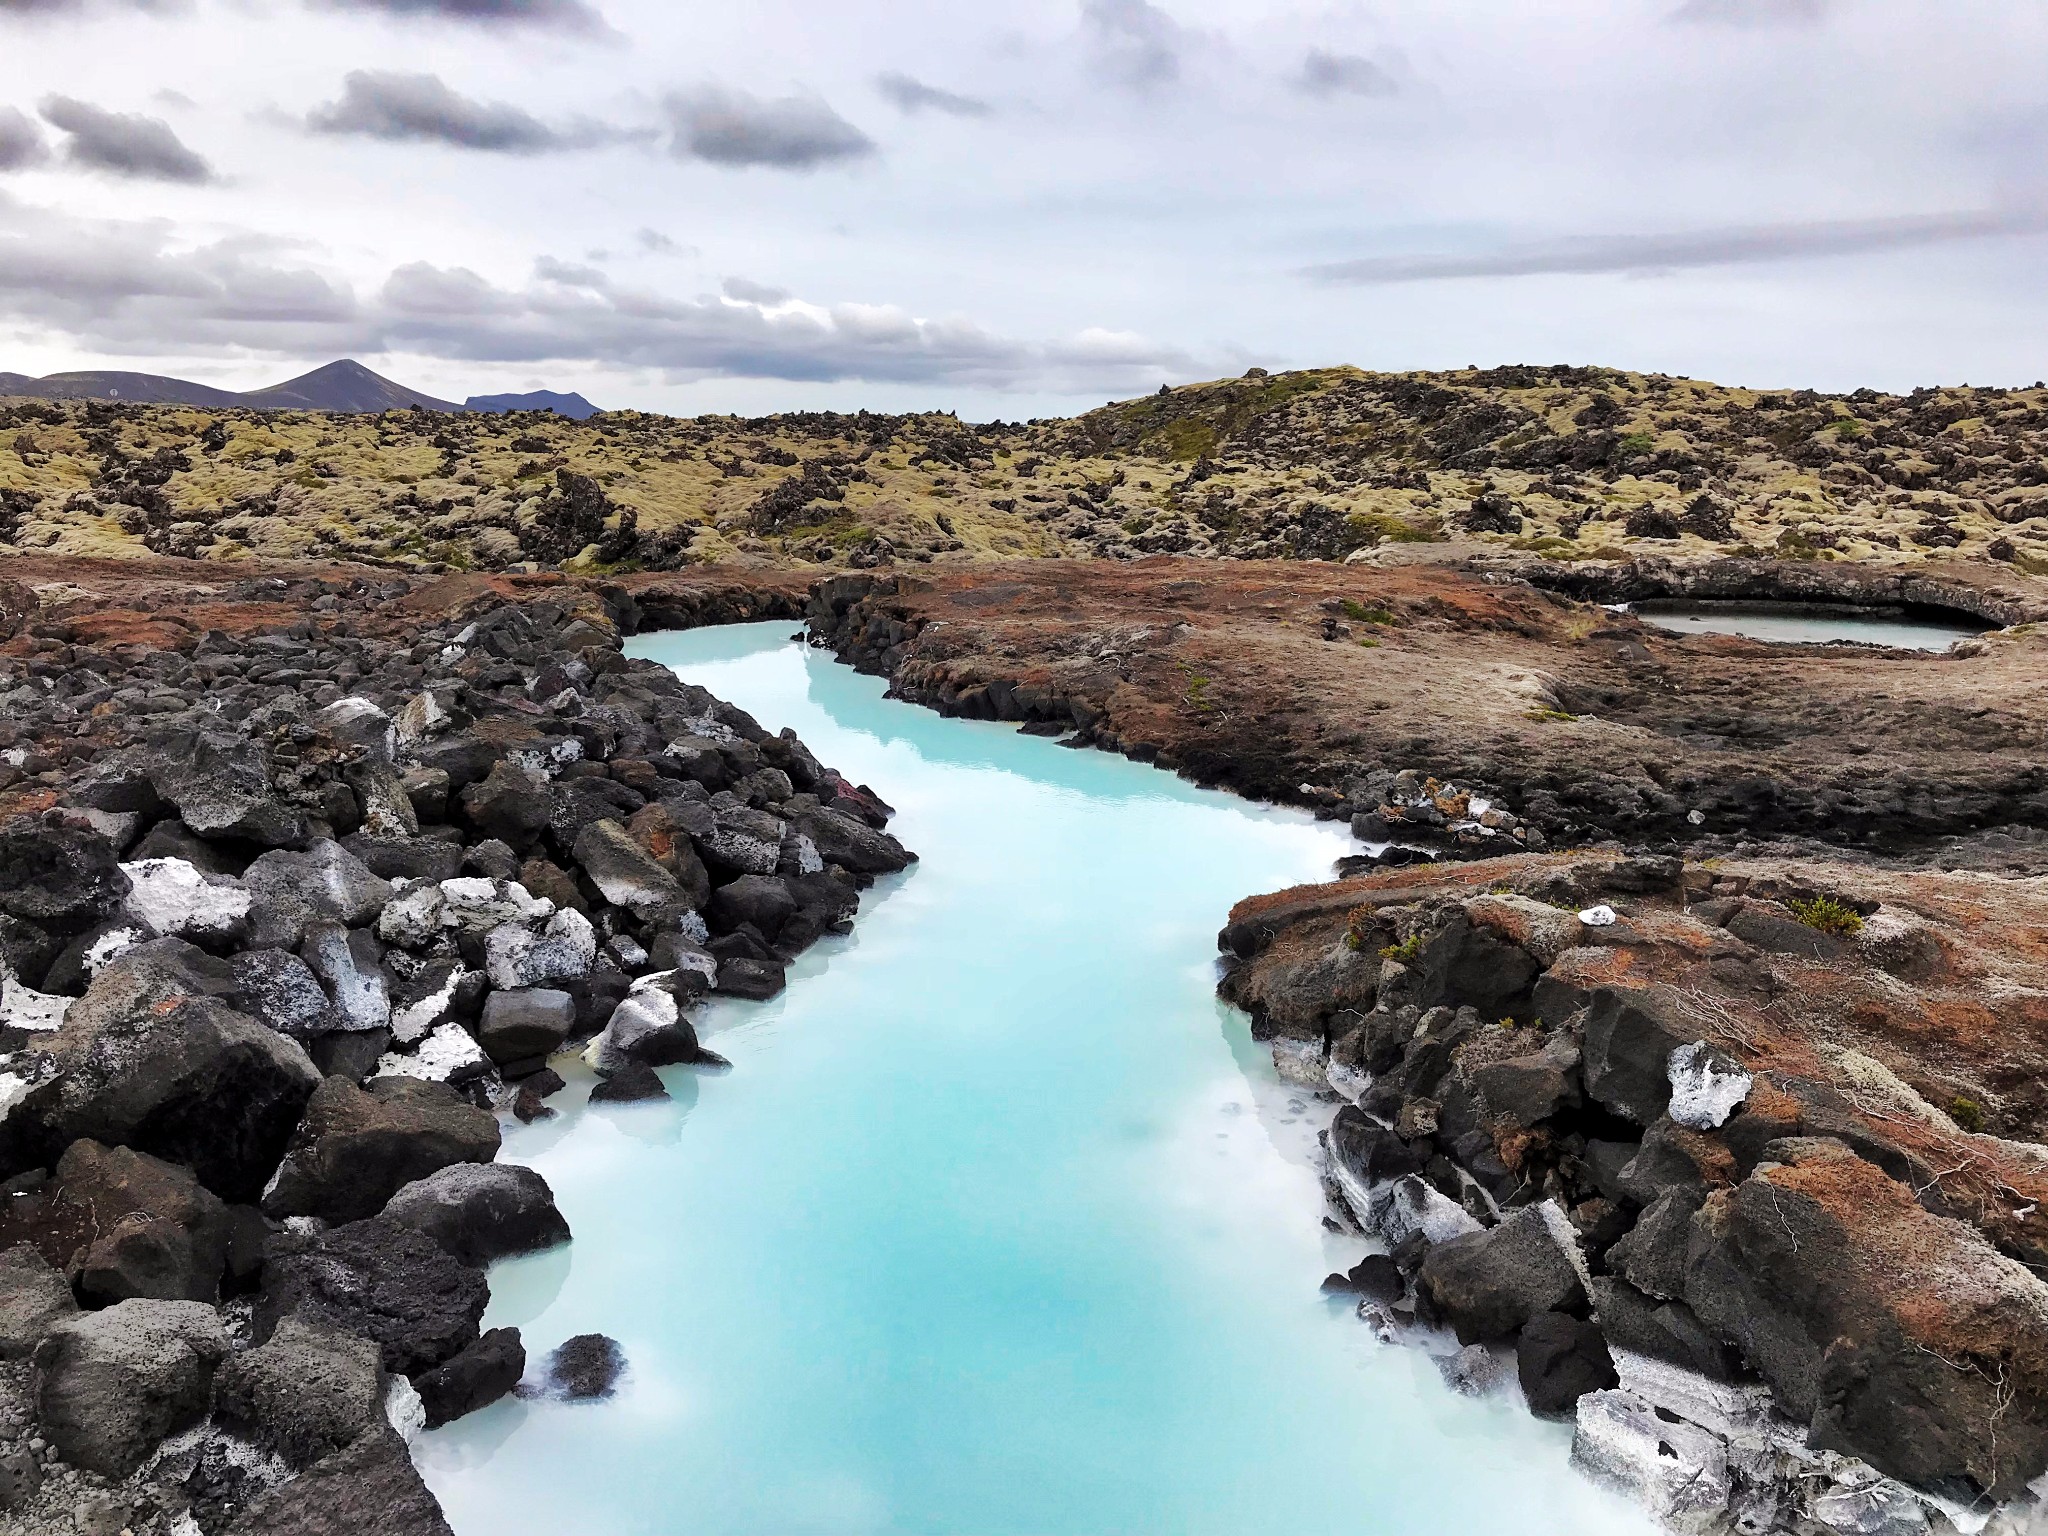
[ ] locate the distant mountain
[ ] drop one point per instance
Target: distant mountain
(575, 407)
(345, 386)
(135, 388)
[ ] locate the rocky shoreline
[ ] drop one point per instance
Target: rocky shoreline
(303, 881)
(1736, 1165)
(304, 878)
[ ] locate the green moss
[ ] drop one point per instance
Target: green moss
(1408, 951)
(1632, 445)
(1563, 716)
(1968, 1114)
(1825, 914)
(1385, 528)
(1358, 613)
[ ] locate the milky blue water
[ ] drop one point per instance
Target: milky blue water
(1810, 624)
(1000, 1225)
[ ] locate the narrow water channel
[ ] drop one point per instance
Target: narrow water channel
(1000, 1225)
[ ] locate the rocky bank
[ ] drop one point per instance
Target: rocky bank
(304, 881)
(1737, 1164)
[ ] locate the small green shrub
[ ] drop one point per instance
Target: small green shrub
(1358, 613)
(1635, 444)
(1824, 914)
(1407, 951)
(1967, 1113)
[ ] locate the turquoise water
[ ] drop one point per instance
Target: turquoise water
(1810, 624)
(1000, 1225)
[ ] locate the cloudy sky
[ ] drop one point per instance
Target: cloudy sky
(1023, 209)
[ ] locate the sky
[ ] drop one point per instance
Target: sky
(1020, 210)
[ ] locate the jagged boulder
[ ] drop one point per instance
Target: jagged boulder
(370, 1486)
(852, 844)
(34, 1298)
(325, 884)
(279, 988)
(625, 874)
(174, 898)
(304, 1394)
(1488, 1284)
(357, 1147)
(51, 870)
(111, 1385)
(649, 1026)
(144, 1064)
(1897, 1335)
(516, 956)
(219, 781)
(380, 1280)
(1628, 1045)
(154, 1230)
(524, 1024)
(486, 1371)
(481, 1211)
(1559, 1359)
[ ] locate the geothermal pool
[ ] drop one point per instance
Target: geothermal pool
(1808, 623)
(1001, 1225)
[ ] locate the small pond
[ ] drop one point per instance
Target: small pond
(1911, 629)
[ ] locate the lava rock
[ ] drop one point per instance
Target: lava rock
(34, 1298)
(516, 956)
(1668, 1330)
(350, 965)
(762, 902)
(756, 980)
(585, 1369)
(852, 844)
(486, 1371)
(481, 1211)
(325, 884)
(180, 1077)
(533, 1021)
(1628, 1048)
(1559, 1360)
(157, 1232)
(1851, 1300)
(633, 1083)
(177, 900)
(51, 870)
(625, 874)
(220, 784)
(1488, 1284)
(370, 1486)
(511, 804)
(383, 1281)
(357, 1147)
(1524, 1091)
(111, 1385)
(303, 1394)
(280, 989)
(648, 1026)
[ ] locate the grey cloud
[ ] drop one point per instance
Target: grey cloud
(751, 292)
(1732, 246)
(126, 144)
(567, 15)
(21, 142)
(1343, 74)
(390, 105)
(1753, 13)
(114, 286)
(656, 243)
(738, 131)
(913, 95)
(1135, 41)
(81, 7)
(570, 274)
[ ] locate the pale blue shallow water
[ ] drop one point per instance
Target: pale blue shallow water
(1000, 1225)
(1789, 623)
